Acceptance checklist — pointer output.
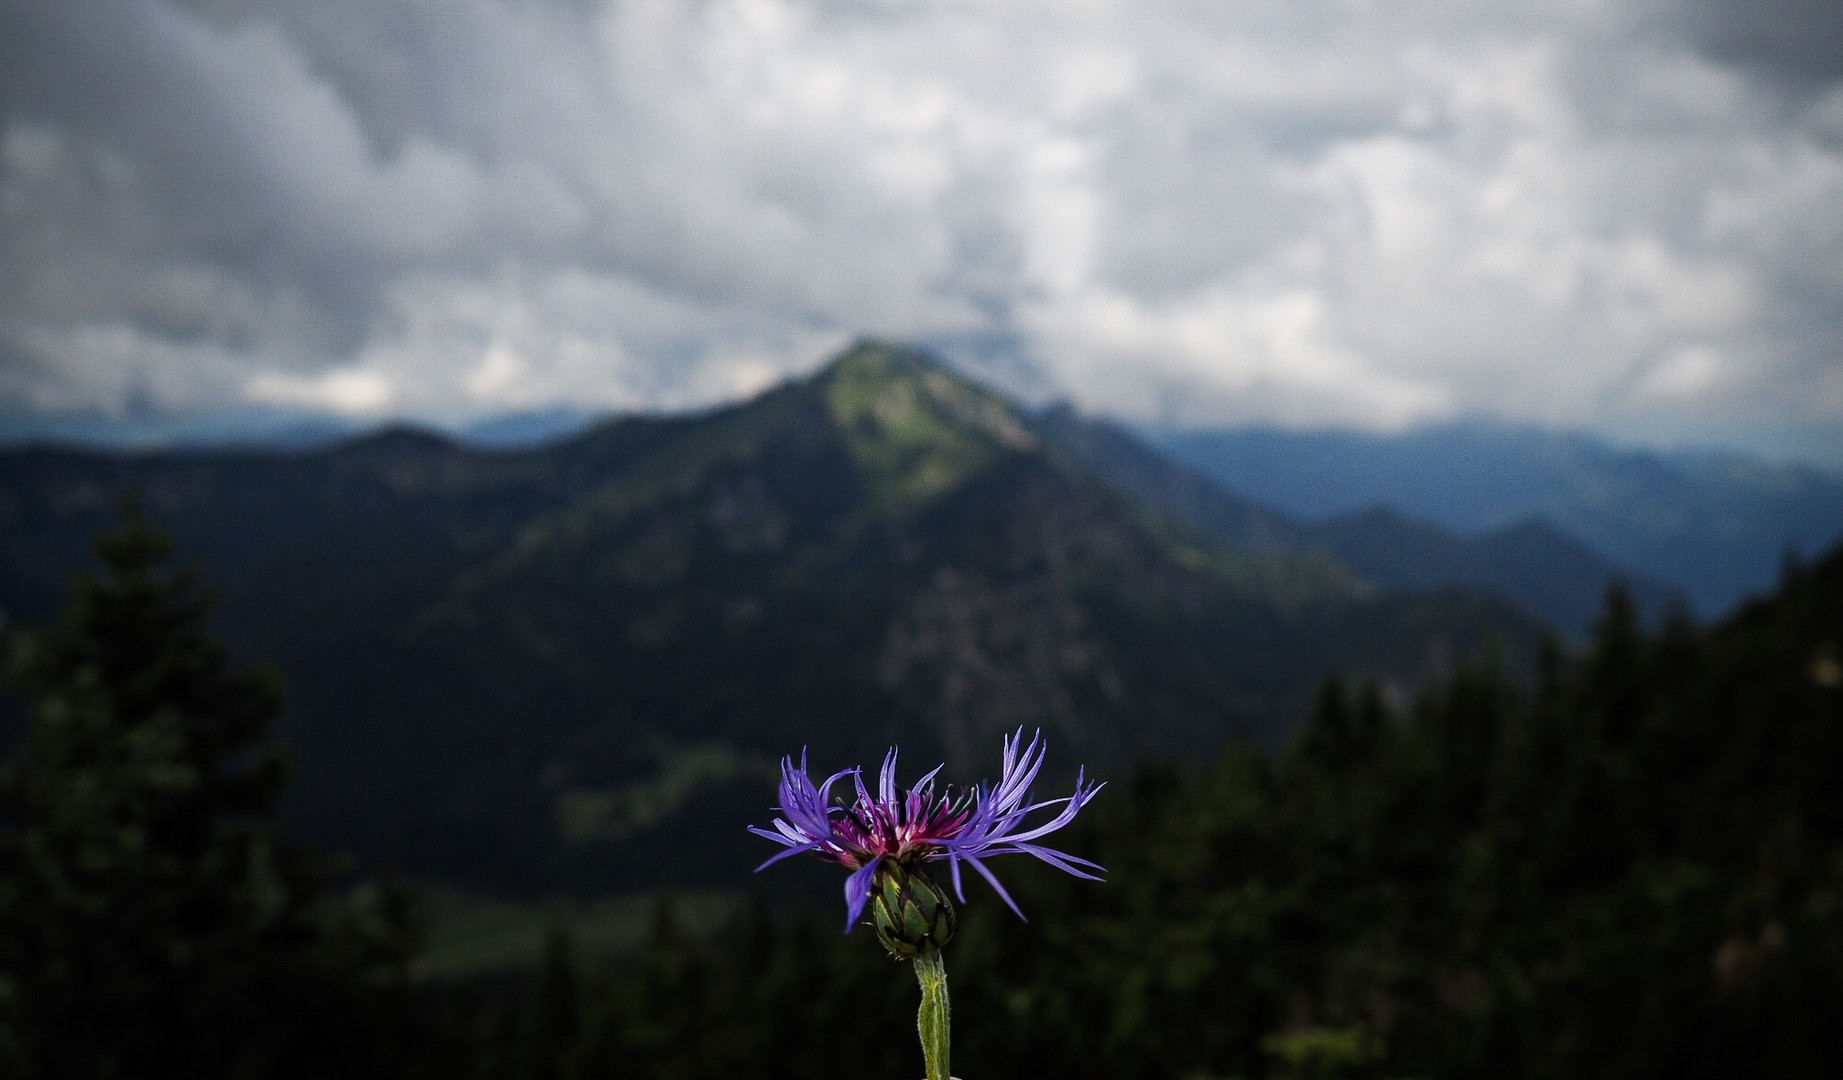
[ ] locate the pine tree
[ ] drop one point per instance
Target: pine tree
(153, 919)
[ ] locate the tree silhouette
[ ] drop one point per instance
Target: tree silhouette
(153, 918)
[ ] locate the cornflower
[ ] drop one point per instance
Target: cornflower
(886, 838)
(921, 825)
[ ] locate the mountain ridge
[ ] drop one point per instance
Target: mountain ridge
(1380, 548)
(1716, 527)
(505, 664)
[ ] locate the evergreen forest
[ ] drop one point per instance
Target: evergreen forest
(1627, 862)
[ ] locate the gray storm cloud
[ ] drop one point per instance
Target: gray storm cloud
(1619, 215)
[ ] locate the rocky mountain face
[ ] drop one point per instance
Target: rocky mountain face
(576, 665)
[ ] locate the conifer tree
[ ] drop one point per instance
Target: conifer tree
(153, 919)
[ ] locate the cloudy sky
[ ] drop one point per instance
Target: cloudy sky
(1624, 216)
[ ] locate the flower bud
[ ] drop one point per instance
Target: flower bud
(910, 912)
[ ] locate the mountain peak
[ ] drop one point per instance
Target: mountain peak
(875, 358)
(915, 427)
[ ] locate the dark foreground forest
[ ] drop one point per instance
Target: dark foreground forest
(1630, 866)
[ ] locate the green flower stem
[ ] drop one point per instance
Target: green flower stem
(932, 1020)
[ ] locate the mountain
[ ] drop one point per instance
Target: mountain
(1530, 561)
(575, 665)
(147, 430)
(1548, 572)
(255, 428)
(1716, 527)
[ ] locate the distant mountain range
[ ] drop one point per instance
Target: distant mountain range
(575, 664)
(1717, 528)
(1548, 572)
(1469, 503)
(269, 428)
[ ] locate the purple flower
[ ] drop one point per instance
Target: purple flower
(922, 825)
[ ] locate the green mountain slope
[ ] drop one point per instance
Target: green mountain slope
(577, 665)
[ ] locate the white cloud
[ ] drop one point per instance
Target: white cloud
(1314, 212)
(347, 391)
(1685, 373)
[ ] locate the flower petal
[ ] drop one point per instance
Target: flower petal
(886, 780)
(779, 855)
(857, 892)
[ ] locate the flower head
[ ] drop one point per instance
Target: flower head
(920, 824)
